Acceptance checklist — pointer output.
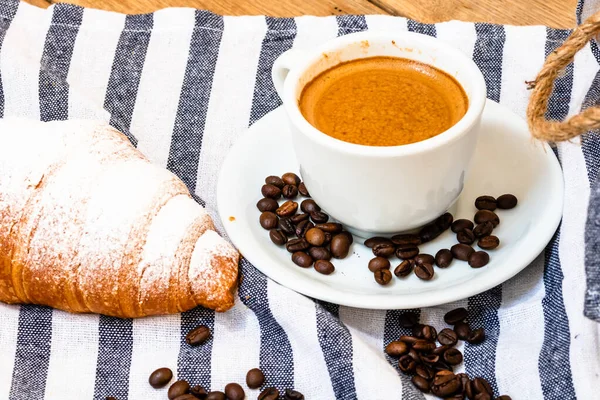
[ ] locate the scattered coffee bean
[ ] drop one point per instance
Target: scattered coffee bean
(216, 395)
(408, 320)
(160, 378)
(275, 181)
(461, 224)
(404, 268)
(487, 216)
(421, 383)
(414, 355)
(289, 191)
(234, 391)
(481, 385)
(503, 397)
(455, 316)
(383, 276)
(406, 240)
(266, 204)
(417, 331)
(370, 243)
(453, 356)
(463, 330)
(302, 259)
(476, 336)
(447, 337)
(484, 229)
(429, 359)
(424, 346)
(303, 190)
(319, 253)
(197, 335)
(271, 192)
(291, 394)
(465, 236)
(190, 396)
(507, 201)
(424, 271)
(268, 220)
(406, 253)
(340, 245)
(485, 203)
(319, 217)
(445, 384)
(324, 267)
(411, 339)
(331, 227)
(296, 219)
(178, 388)
(440, 350)
(315, 236)
(286, 226)
(465, 382)
(441, 366)
(299, 244)
(396, 349)
(110, 398)
(255, 378)
(348, 235)
(489, 242)
(379, 263)
(269, 393)
(424, 372)
(287, 209)
(328, 237)
(303, 227)
(479, 259)
(278, 237)
(407, 364)
(462, 251)
(428, 332)
(429, 232)
(309, 206)
(289, 178)
(443, 258)
(444, 221)
(424, 258)
(199, 392)
(384, 250)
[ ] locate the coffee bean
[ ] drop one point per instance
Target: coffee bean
(507, 201)
(315, 236)
(292, 395)
(445, 385)
(428, 332)
(319, 253)
(278, 237)
(269, 393)
(160, 377)
(443, 258)
(465, 236)
(421, 383)
(485, 203)
(503, 397)
(489, 242)
(289, 192)
(287, 209)
(216, 395)
(477, 336)
(407, 364)
(417, 331)
(444, 221)
(275, 181)
(340, 246)
(406, 240)
(271, 192)
(299, 244)
(484, 229)
(463, 330)
(406, 253)
(348, 235)
(447, 337)
(268, 220)
(383, 276)
(456, 396)
(455, 316)
(481, 385)
(487, 216)
(309, 206)
(302, 259)
(296, 219)
(265, 204)
(199, 392)
(190, 396)
(255, 378)
(378, 263)
(178, 388)
(465, 383)
(286, 226)
(396, 349)
(462, 251)
(461, 224)
(479, 259)
(430, 232)
(234, 391)
(370, 243)
(110, 398)
(328, 237)
(414, 355)
(441, 366)
(324, 267)
(424, 271)
(384, 250)
(303, 190)
(424, 372)
(289, 178)
(319, 217)
(303, 227)
(410, 339)
(424, 258)
(440, 350)
(197, 335)
(483, 396)
(408, 320)
(453, 356)
(404, 268)
(429, 359)
(424, 346)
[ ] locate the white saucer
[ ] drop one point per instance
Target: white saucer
(506, 161)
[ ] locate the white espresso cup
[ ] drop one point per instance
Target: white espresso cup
(372, 189)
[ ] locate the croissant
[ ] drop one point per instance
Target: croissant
(88, 224)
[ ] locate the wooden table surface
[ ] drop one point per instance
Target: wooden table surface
(554, 13)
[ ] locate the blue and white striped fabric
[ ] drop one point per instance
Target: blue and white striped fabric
(184, 85)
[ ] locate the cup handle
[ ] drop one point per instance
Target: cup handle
(282, 66)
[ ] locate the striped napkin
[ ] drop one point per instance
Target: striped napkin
(184, 85)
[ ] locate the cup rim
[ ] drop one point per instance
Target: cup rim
(476, 101)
